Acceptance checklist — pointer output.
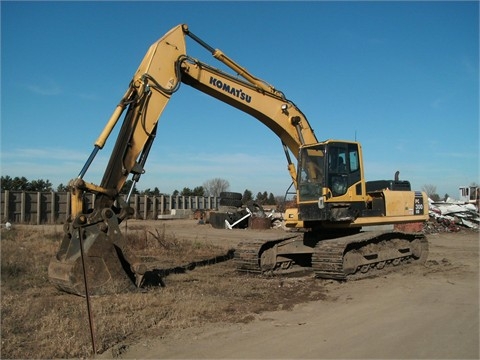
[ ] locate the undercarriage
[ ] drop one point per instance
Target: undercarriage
(348, 257)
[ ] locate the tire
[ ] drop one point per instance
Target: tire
(230, 202)
(231, 195)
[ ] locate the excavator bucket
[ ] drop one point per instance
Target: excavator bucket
(106, 269)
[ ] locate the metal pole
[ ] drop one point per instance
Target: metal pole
(87, 296)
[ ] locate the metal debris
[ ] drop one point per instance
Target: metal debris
(452, 215)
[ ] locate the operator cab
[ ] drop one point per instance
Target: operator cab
(326, 172)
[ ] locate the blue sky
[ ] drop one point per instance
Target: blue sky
(400, 77)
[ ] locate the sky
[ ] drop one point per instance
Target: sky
(402, 78)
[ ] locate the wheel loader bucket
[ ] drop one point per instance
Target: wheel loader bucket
(106, 268)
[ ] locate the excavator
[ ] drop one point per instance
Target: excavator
(334, 202)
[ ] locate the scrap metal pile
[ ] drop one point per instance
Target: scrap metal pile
(232, 213)
(451, 216)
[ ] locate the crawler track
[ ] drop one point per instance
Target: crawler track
(246, 256)
(351, 257)
(248, 253)
(366, 254)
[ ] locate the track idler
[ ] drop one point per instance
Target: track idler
(107, 268)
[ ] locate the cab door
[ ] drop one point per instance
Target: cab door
(343, 166)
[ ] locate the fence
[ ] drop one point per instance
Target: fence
(29, 207)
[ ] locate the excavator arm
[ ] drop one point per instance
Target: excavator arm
(92, 237)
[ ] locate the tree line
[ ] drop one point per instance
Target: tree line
(23, 184)
(212, 187)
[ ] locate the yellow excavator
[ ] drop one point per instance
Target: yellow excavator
(333, 199)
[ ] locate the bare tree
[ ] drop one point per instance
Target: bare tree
(214, 187)
(431, 191)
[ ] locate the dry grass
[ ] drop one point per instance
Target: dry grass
(38, 321)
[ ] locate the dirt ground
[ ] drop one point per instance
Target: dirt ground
(419, 312)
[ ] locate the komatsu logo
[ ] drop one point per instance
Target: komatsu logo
(231, 90)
